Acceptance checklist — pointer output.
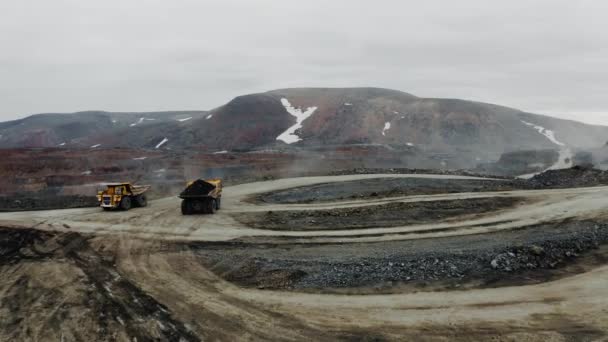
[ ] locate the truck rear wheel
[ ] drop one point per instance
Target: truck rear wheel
(125, 203)
(211, 206)
(141, 200)
(218, 203)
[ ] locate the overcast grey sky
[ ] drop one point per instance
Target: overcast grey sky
(545, 56)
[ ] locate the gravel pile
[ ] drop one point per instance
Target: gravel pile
(441, 266)
(478, 259)
(549, 253)
(577, 176)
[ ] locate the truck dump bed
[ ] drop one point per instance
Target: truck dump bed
(139, 189)
(202, 188)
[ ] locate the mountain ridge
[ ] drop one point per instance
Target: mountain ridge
(341, 116)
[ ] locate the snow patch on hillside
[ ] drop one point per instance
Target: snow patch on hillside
(86, 173)
(137, 123)
(410, 144)
(162, 142)
(182, 120)
(348, 104)
(62, 144)
(97, 145)
(209, 116)
(140, 158)
(546, 132)
(288, 136)
(220, 152)
(564, 160)
(140, 121)
(387, 126)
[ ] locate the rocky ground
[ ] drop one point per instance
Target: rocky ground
(528, 255)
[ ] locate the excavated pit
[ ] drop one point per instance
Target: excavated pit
(383, 187)
(375, 216)
(577, 176)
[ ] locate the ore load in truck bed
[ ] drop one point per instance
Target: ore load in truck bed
(198, 188)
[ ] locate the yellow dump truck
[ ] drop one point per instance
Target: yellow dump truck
(202, 196)
(122, 196)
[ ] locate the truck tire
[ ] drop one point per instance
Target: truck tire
(106, 208)
(141, 200)
(211, 206)
(218, 203)
(186, 209)
(125, 203)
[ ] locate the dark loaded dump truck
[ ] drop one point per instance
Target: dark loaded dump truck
(201, 197)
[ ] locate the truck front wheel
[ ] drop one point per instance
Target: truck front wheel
(125, 203)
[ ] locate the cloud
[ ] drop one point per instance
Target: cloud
(69, 55)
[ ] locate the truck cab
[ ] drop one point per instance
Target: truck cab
(122, 196)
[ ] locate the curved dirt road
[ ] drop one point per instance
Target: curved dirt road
(162, 219)
(574, 308)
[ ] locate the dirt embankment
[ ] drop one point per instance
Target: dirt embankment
(403, 171)
(37, 202)
(529, 255)
(384, 215)
(58, 284)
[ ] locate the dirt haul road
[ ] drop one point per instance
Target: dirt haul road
(145, 285)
